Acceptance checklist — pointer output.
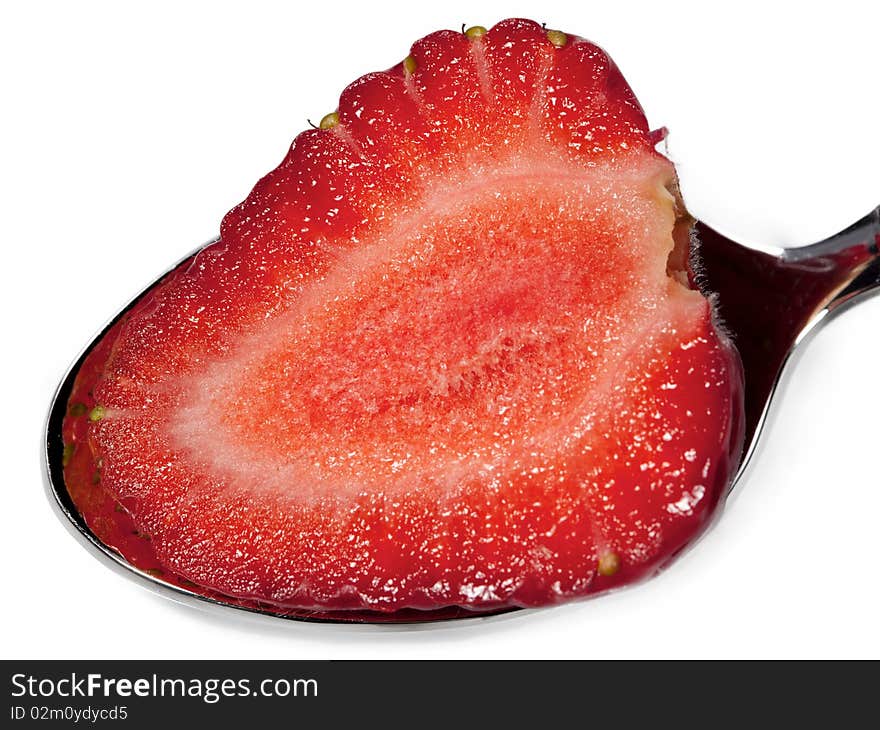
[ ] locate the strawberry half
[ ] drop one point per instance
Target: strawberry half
(445, 355)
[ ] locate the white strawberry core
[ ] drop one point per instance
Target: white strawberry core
(495, 320)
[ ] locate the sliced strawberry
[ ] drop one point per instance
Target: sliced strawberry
(441, 356)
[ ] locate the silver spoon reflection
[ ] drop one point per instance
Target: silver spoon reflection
(769, 304)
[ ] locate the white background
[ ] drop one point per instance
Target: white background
(127, 133)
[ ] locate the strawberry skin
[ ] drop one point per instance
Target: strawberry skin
(443, 356)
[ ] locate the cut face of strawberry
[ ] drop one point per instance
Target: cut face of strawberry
(445, 355)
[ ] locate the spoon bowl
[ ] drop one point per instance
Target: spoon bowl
(769, 303)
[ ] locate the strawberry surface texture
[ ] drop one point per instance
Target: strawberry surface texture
(448, 355)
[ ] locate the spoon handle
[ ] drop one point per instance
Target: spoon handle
(853, 255)
(768, 304)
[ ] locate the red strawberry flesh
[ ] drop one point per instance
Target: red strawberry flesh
(441, 356)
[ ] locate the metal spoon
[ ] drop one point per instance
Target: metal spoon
(769, 302)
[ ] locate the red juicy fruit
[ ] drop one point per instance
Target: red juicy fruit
(446, 354)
